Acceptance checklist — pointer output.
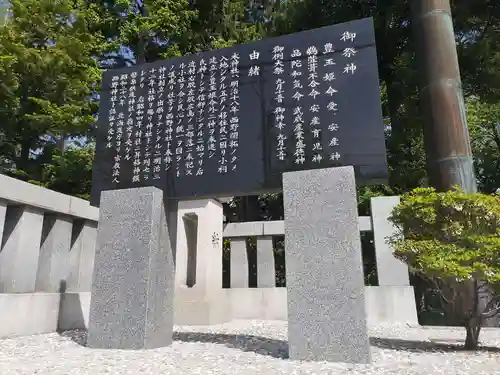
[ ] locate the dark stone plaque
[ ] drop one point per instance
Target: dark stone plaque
(231, 121)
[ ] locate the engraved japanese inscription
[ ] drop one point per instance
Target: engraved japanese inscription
(231, 121)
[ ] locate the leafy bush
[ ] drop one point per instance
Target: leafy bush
(453, 240)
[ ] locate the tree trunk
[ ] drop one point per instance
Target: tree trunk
(473, 328)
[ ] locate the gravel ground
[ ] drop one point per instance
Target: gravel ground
(249, 348)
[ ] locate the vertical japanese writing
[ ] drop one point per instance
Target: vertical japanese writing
(160, 121)
(169, 120)
(314, 108)
(112, 125)
(254, 69)
(139, 117)
(212, 108)
(200, 119)
(298, 112)
(190, 126)
(172, 121)
(279, 111)
(131, 114)
(120, 124)
(112, 112)
(330, 91)
(180, 131)
(234, 119)
(349, 52)
(223, 115)
(148, 131)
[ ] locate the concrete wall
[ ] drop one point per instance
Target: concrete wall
(384, 305)
(36, 313)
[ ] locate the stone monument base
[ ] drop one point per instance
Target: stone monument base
(324, 268)
(133, 283)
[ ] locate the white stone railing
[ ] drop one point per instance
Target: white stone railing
(391, 302)
(391, 272)
(47, 239)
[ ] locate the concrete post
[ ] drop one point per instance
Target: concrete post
(20, 249)
(266, 272)
(391, 271)
(198, 298)
(81, 261)
(54, 253)
(239, 263)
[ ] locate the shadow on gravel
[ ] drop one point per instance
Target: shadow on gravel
(424, 346)
(279, 348)
(246, 343)
(77, 336)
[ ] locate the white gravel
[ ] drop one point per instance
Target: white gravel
(251, 348)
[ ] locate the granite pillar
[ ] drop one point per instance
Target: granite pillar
(20, 249)
(239, 263)
(324, 268)
(133, 282)
(391, 271)
(54, 253)
(266, 271)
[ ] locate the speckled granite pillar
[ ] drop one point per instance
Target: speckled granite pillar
(133, 281)
(324, 271)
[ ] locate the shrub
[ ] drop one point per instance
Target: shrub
(453, 240)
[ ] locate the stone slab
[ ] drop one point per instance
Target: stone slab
(274, 228)
(248, 229)
(133, 281)
(325, 285)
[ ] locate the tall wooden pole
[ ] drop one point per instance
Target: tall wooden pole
(447, 143)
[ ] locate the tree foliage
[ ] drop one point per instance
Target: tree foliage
(70, 171)
(49, 76)
(484, 127)
(453, 239)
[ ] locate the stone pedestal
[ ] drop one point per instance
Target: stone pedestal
(199, 298)
(133, 282)
(324, 270)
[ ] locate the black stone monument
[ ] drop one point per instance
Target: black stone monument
(231, 121)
